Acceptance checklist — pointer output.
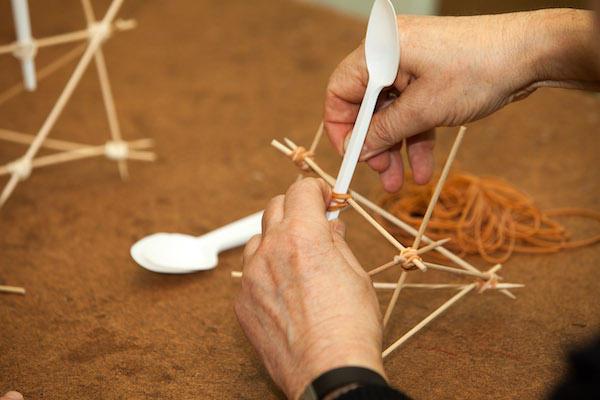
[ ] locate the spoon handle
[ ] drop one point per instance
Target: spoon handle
(236, 233)
(357, 139)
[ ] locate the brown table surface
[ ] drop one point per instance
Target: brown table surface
(213, 82)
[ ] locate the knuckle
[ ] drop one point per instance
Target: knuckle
(381, 130)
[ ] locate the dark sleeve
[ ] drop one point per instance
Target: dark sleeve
(583, 380)
(373, 393)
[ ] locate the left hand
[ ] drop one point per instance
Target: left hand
(305, 303)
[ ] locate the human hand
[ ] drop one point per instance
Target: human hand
(305, 303)
(454, 70)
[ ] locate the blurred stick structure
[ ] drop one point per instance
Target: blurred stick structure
(409, 258)
(115, 149)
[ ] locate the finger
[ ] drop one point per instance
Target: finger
(250, 248)
(408, 115)
(345, 90)
(338, 232)
(420, 156)
(393, 177)
(380, 162)
(307, 199)
(12, 395)
(273, 213)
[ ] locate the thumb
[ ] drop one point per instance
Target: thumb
(409, 114)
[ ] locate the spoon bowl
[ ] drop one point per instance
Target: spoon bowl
(174, 253)
(177, 253)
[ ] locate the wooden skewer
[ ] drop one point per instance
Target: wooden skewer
(457, 271)
(422, 250)
(432, 246)
(431, 286)
(64, 145)
(394, 299)
(44, 72)
(107, 96)
(458, 286)
(390, 217)
(439, 186)
(427, 320)
(317, 138)
(120, 25)
(78, 154)
(12, 289)
(353, 204)
(88, 11)
(384, 267)
(64, 97)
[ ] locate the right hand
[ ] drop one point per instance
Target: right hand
(454, 70)
(305, 303)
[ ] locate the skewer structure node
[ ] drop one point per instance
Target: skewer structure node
(410, 255)
(116, 150)
(25, 50)
(21, 168)
(101, 29)
(298, 155)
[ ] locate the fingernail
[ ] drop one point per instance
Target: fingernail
(339, 227)
(365, 154)
(345, 144)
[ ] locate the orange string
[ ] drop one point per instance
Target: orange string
(339, 201)
(298, 155)
(484, 216)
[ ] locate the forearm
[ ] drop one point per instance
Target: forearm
(567, 55)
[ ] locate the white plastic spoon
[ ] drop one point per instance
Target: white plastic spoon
(24, 39)
(382, 52)
(176, 253)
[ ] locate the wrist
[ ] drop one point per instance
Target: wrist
(326, 355)
(337, 381)
(563, 51)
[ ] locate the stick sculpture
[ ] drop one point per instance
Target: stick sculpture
(25, 49)
(409, 258)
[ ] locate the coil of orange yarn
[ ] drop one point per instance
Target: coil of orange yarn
(484, 216)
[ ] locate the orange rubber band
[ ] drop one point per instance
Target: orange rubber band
(298, 155)
(339, 201)
(485, 216)
(410, 255)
